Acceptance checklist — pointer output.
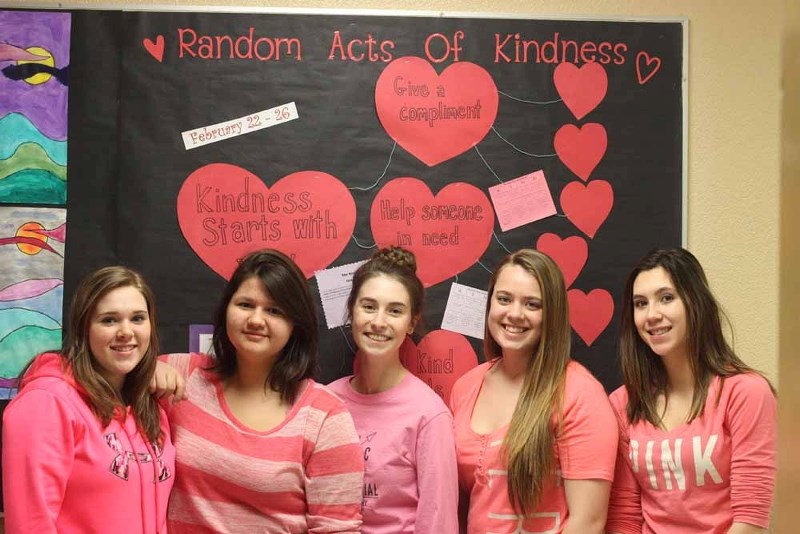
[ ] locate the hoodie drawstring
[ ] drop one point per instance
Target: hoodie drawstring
(142, 481)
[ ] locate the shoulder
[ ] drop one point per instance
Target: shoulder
(581, 383)
(320, 397)
(46, 398)
(427, 400)
(472, 377)
(619, 399)
(746, 383)
(340, 386)
(746, 390)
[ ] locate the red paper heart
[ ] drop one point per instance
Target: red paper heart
(581, 149)
(581, 89)
(590, 314)
(225, 211)
(409, 90)
(440, 359)
(448, 233)
(570, 254)
(156, 49)
(587, 206)
(646, 67)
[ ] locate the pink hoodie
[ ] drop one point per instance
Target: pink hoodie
(64, 472)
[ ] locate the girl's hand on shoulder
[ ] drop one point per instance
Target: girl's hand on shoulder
(167, 381)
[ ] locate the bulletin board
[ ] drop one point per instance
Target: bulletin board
(195, 137)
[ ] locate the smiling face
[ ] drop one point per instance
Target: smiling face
(119, 333)
(257, 327)
(515, 312)
(381, 317)
(659, 313)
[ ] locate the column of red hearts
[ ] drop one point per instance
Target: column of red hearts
(585, 203)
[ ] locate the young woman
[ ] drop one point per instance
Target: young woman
(535, 435)
(697, 452)
(260, 446)
(85, 446)
(406, 430)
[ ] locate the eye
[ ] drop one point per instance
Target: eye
(367, 306)
(244, 304)
(533, 305)
(139, 318)
(273, 310)
(108, 320)
(639, 303)
(667, 298)
(396, 311)
(503, 299)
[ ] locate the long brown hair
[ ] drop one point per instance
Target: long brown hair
(286, 284)
(75, 350)
(529, 441)
(643, 371)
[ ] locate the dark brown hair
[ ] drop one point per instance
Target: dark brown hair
(529, 441)
(709, 353)
(287, 286)
(397, 263)
(75, 350)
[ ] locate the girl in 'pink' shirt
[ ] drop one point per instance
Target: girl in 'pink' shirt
(698, 425)
(536, 437)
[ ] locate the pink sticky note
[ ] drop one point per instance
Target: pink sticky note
(522, 200)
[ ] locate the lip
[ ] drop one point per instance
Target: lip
(521, 329)
(659, 332)
(377, 338)
(256, 336)
(123, 349)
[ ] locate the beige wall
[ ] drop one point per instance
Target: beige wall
(734, 180)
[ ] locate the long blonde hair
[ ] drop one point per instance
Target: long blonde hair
(529, 441)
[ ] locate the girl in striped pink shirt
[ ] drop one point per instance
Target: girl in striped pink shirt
(260, 446)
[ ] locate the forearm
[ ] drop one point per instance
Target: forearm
(577, 525)
(745, 528)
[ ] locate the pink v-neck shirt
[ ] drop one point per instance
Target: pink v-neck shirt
(584, 449)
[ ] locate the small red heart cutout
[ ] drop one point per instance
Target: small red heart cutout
(581, 89)
(441, 358)
(581, 149)
(646, 67)
(590, 314)
(155, 49)
(447, 232)
(434, 116)
(570, 254)
(587, 206)
(225, 212)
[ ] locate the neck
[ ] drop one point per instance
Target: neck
(514, 364)
(680, 378)
(378, 374)
(251, 374)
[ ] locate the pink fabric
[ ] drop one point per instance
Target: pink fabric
(703, 476)
(410, 481)
(585, 449)
(305, 475)
(64, 472)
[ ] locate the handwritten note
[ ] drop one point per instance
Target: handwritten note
(466, 307)
(522, 200)
(236, 127)
(334, 287)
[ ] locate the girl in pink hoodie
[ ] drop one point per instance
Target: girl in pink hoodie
(85, 446)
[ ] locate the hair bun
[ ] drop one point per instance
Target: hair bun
(397, 256)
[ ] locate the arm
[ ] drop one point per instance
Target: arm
(625, 505)
(587, 501)
(743, 528)
(751, 418)
(38, 454)
(437, 477)
(166, 381)
(334, 477)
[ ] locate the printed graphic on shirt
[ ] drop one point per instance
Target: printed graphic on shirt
(503, 519)
(120, 465)
(660, 463)
(370, 486)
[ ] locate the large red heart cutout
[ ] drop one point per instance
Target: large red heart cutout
(155, 48)
(433, 116)
(590, 314)
(441, 358)
(581, 149)
(587, 206)
(447, 233)
(570, 254)
(581, 89)
(225, 212)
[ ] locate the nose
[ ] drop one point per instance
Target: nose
(379, 319)
(256, 317)
(653, 312)
(515, 310)
(125, 330)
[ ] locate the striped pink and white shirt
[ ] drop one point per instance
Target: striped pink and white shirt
(304, 475)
